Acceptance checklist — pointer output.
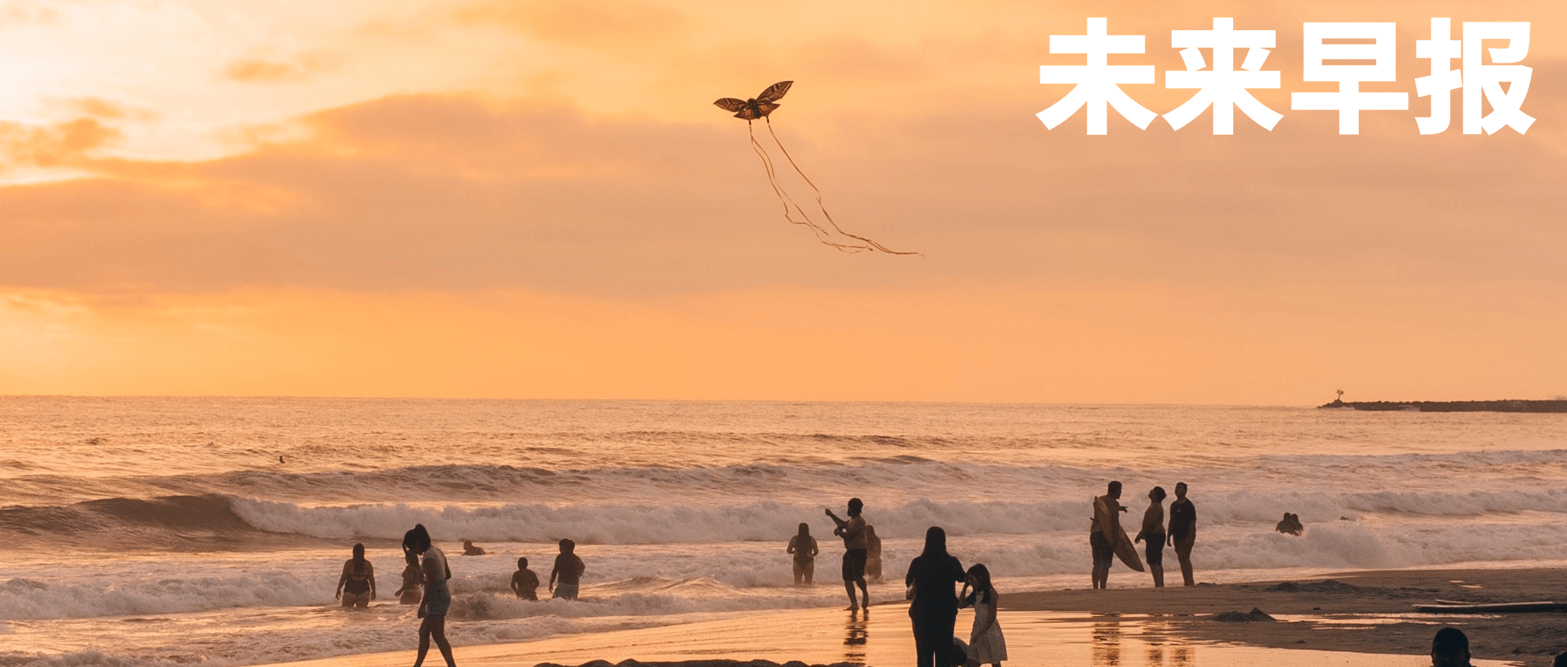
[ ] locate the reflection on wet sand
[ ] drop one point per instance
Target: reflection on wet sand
(1106, 641)
(856, 636)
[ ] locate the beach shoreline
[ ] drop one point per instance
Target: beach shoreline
(1358, 611)
(1353, 613)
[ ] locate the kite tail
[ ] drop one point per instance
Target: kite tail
(871, 245)
(821, 233)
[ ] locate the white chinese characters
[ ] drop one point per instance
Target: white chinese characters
(1345, 54)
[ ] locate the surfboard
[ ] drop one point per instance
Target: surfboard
(1124, 549)
(1450, 607)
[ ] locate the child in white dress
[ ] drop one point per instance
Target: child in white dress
(986, 644)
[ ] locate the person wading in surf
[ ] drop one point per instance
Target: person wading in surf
(356, 588)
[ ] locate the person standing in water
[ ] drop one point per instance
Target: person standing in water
(356, 588)
(1153, 534)
(934, 610)
(803, 546)
(1101, 538)
(413, 579)
(524, 582)
(1183, 531)
(854, 552)
(437, 598)
(568, 570)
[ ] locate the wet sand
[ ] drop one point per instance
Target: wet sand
(1365, 612)
(1363, 619)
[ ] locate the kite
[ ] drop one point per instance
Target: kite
(762, 106)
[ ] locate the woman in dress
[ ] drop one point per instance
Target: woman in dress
(935, 609)
(986, 644)
(413, 578)
(437, 597)
(356, 588)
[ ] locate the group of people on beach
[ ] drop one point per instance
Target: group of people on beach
(1105, 533)
(425, 583)
(933, 607)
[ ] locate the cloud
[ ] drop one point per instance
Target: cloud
(62, 144)
(272, 70)
(618, 25)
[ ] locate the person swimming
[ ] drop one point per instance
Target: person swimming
(356, 587)
(468, 549)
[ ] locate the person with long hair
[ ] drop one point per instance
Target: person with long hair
(413, 579)
(356, 588)
(935, 608)
(804, 548)
(437, 598)
(986, 643)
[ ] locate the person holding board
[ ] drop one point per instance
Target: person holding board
(1108, 539)
(855, 552)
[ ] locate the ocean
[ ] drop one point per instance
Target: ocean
(164, 531)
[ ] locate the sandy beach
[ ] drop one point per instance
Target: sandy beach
(1353, 619)
(1364, 612)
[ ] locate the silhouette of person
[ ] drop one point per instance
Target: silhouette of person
(356, 588)
(986, 643)
(1560, 661)
(855, 553)
(1450, 648)
(568, 571)
(468, 549)
(1290, 525)
(1101, 538)
(935, 608)
(1153, 535)
(437, 598)
(803, 546)
(872, 554)
(1183, 531)
(524, 581)
(413, 579)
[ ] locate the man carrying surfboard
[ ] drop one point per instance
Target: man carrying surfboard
(1107, 539)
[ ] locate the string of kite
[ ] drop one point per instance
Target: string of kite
(830, 233)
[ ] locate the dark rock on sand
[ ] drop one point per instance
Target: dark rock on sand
(1254, 616)
(1325, 586)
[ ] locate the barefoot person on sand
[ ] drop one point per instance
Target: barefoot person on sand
(1153, 534)
(1101, 539)
(356, 588)
(1183, 531)
(935, 609)
(437, 598)
(855, 553)
(803, 546)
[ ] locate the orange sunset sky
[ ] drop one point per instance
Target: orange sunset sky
(476, 198)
